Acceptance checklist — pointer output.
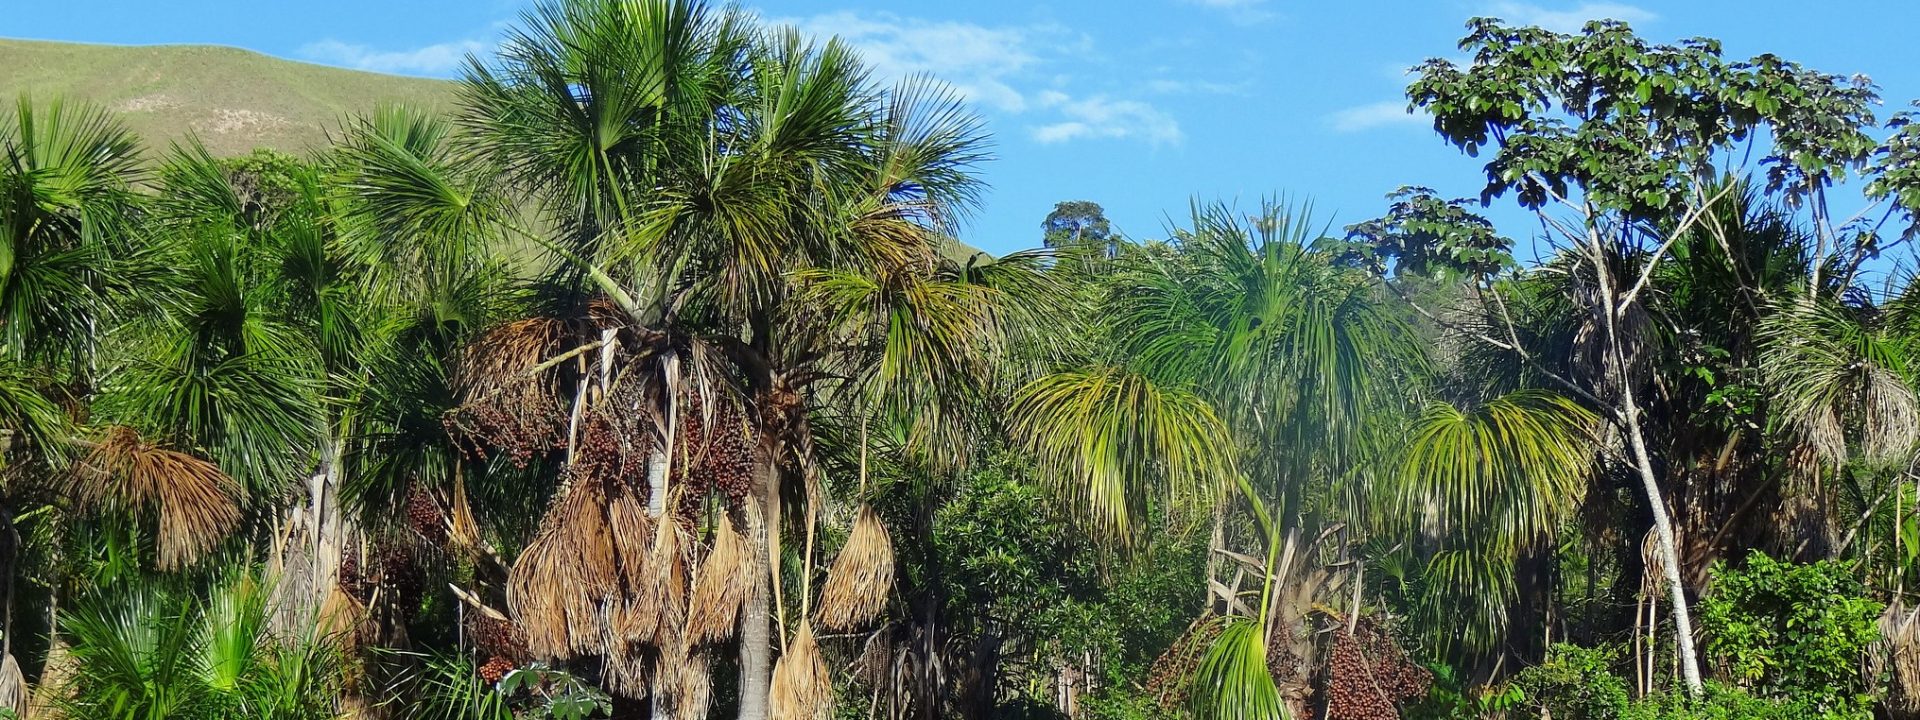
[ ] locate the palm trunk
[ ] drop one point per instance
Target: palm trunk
(756, 621)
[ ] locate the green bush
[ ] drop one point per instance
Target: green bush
(1575, 683)
(1792, 632)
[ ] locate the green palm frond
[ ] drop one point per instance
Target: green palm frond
(1110, 438)
(1462, 599)
(1508, 471)
(1233, 681)
(420, 204)
(66, 205)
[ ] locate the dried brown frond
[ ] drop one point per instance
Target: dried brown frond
(463, 529)
(638, 613)
(13, 687)
(861, 580)
(194, 500)
(801, 688)
(342, 620)
(684, 684)
(627, 672)
(720, 587)
(501, 358)
(560, 585)
(668, 565)
(1898, 659)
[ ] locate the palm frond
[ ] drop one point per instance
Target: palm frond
(1109, 438)
(1232, 681)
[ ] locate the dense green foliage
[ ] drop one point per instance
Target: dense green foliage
(652, 382)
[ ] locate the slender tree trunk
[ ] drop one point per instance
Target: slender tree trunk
(1629, 412)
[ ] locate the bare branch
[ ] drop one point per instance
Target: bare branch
(1686, 223)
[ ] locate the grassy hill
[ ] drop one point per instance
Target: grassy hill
(234, 100)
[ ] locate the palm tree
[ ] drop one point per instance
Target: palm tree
(690, 171)
(1476, 490)
(1242, 354)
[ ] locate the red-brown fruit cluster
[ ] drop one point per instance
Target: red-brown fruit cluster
(520, 425)
(352, 582)
(401, 575)
(728, 466)
(423, 515)
(1169, 677)
(1369, 676)
(495, 668)
(496, 638)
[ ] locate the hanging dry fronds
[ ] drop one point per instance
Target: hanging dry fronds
(684, 684)
(13, 687)
(559, 587)
(342, 620)
(668, 565)
(801, 688)
(720, 587)
(1899, 659)
(857, 587)
(194, 500)
(463, 529)
(638, 612)
(626, 671)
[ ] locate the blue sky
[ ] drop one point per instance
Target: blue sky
(1141, 106)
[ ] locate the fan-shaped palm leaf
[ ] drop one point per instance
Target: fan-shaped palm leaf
(1840, 383)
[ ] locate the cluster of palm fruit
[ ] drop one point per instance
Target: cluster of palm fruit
(717, 459)
(497, 640)
(424, 516)
(1369, 676)
(510, 407)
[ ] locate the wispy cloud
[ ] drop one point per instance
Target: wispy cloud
(439, 59)
(1569, 19)
(1386, 113)
(1099, 116)
(980, 62)
(1165, 86)
(1244, 12)
(1025, 70)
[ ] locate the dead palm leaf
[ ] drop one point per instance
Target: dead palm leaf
(560, 586)
(801, 688)
(638, 614)
(720, 587)
(194, 500)
(668, 565)
(13, 687)
(857, 587)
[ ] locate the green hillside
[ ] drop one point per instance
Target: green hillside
(234, 100)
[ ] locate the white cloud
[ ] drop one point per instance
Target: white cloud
(1099, 116)
(1244, 12)
(1197, 87)
(1016, 69)
(982, 63)
(1386, 113)
(437, 59)
(1571, 19)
